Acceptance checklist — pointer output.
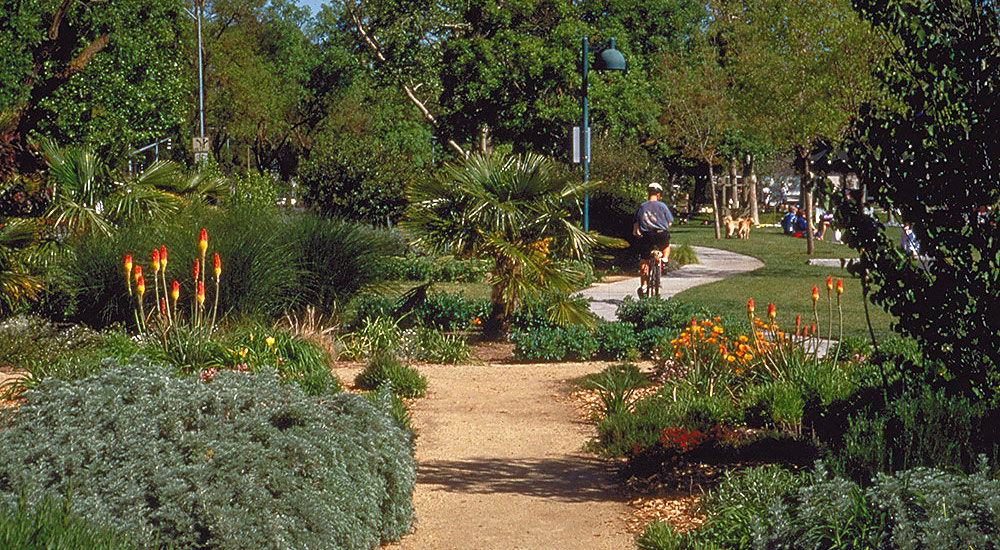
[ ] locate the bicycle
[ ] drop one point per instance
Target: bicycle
(655, 272)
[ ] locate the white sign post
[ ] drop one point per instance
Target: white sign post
(576, 144)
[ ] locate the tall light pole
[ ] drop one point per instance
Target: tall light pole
(200, 7)
(199, 144)
(607, 59)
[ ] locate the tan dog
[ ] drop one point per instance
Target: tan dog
(731, 226)
(743, 231)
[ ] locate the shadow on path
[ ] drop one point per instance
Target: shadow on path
(567, 479)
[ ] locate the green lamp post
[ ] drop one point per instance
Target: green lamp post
(607, 59)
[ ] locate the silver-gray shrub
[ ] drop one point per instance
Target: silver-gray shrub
(241, 461)
(921, 508)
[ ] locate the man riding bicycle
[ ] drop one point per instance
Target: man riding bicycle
(651, 224)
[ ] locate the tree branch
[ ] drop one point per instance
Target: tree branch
(57, 18)
(424, 111)
(80, 61)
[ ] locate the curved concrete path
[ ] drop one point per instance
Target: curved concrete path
(713, 265)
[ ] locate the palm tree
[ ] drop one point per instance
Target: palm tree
(515, 211)
(87, 197)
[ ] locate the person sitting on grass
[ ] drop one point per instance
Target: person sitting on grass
(800, 225)
(651, 223)
(788, 222)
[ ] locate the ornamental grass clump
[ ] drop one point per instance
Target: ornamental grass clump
(405, 381)
(51, 524)
(242, 461)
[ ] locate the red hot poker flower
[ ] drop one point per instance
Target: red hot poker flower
(217, 265)
(201, 293)
(750, 307)
(138, 272)
(155, 255)
(196, 269)
(203, 242)
(840, 287)
(163, 306)
(140, 285)
(128, 265)
(815, 294)
(829, 283)
(175, 291)
(771, 311)
(163, 257)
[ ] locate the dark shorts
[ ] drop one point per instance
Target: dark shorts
(654, 240)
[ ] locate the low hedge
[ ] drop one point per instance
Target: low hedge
(239, 461)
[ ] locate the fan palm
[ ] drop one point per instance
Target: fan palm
(16, 282)
(516, 211)
(87, 197)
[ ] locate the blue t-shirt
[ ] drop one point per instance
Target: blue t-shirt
(788, 223)
(653, 216)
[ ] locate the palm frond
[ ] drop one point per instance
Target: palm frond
(18, 233)
(76, 173)
(78, 216)
(135, 201)
(566, 311)
(15, 288)
(162, 174)
(202, 186)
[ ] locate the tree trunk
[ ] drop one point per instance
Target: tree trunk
(715, 203)
(494, 328)
(807, 202)
(496, 325)
(723, 192)
(734, 186)
(750, 183)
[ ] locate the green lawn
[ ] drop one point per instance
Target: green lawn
(785, 280)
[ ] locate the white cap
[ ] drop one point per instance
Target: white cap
(654, 186)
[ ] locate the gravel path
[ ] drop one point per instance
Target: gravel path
(501, 463)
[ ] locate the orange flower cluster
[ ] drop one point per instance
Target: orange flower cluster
(707, 341)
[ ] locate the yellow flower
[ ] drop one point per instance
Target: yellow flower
(748, 357)
(717, 329)
(743, 338)
(243, 352)
(730, 358)
(269, 340)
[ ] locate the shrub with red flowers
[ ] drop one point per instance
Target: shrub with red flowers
(682, 439)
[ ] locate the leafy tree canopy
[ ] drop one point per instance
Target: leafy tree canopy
(107, 73)
(935, 159)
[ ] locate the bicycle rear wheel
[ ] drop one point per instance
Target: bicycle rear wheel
(655, 271)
